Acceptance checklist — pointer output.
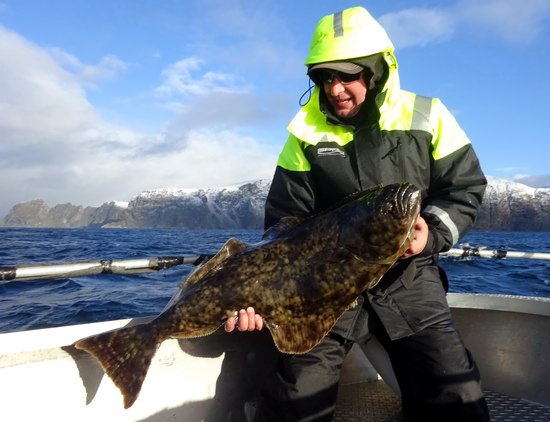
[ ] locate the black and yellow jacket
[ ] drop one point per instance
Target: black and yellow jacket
(397, 136)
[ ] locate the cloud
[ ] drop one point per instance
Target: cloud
(209, 158)
(225, 110)
(509, 170)
(514, 21)
(56, 146)
(210, 100)
(178, 80)
(108, 68)
(520, 175)
(39, 99)
(248, 36)
(418, 27)
(535, 181)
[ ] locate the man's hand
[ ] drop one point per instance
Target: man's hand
(420, 238)
(247, 320)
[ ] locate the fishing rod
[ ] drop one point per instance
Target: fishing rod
(471, 251)
(137, 266)
(103, 266)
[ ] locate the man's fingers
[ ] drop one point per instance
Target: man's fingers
(242, 322)
(259, 322)
(230, 324)
(251, 318)
(247, 320)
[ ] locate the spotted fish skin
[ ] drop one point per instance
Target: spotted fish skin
(301, 278)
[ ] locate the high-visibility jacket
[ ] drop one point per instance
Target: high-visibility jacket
(399, 136)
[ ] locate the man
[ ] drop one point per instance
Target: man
(360, 129)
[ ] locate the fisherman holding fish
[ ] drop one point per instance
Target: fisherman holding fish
(372, 184)
(357, 130)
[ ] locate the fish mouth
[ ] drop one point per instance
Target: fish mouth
(404, 203)
(407, 200)
(401, 200)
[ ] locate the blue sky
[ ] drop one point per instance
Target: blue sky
(101, 100)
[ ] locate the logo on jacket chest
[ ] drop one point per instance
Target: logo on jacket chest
(330, 151)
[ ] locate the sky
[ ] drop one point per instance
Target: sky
(103, 99)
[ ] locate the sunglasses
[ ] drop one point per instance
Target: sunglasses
(327, 76)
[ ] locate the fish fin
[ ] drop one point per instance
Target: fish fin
(229, 249)
(285, 224)
(125, 355)
(299, 336)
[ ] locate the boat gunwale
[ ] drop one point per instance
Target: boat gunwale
(534, 305)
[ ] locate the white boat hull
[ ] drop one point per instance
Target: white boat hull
(39, 380)
(43, 379)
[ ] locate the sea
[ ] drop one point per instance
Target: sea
(26, 305)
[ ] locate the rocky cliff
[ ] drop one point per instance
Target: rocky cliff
(229, 208)
(36, 213)
(507, 206)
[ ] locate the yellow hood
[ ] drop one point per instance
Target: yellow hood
(351, 34)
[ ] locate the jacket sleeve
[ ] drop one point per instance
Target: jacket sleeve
(292, 192)
(457, 184)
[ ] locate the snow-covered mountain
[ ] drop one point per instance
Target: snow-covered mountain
(508, 206)
(240, 206)
(511, 206)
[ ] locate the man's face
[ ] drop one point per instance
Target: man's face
(345, 98)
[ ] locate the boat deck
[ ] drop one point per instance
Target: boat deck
(509, 337)
(375, 401)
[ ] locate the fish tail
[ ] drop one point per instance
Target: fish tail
(125, 355)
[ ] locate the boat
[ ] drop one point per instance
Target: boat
(42, 377)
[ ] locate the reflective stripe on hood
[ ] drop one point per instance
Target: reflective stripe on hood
(347, 34)
(352, 34)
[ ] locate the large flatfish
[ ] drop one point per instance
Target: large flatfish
(301, 278)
